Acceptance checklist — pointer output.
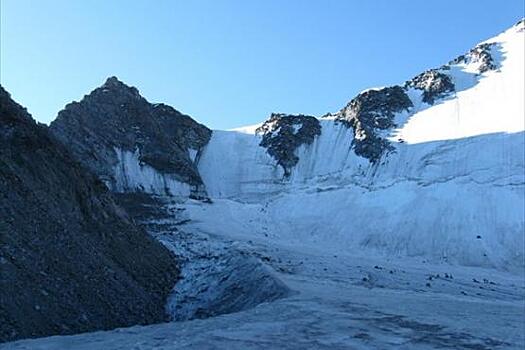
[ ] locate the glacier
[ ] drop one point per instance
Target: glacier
(457, 174)
(422, 249)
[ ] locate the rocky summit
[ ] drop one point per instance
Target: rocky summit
(71, 260)
(114, 121)
(282, 134)
(481, 55)
(433, 83)
(371, 112)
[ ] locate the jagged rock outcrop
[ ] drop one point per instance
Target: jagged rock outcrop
(436, 83)
(520, 25)
(282, 134)
(481, 55)
(369, 114)
(132, 144)
(70, 259)
(433, 83)
(372, 112)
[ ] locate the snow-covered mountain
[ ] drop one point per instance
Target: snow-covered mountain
(432, 168)
(369, 227)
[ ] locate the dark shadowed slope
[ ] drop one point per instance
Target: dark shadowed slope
(70, 259)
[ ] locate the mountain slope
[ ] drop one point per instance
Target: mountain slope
(432, 168)
(70, 260)
(351, 230)
(132, 144)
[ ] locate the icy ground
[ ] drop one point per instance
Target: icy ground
(335, 301)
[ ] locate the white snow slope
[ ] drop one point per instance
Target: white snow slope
(452, 191)
(423, 251)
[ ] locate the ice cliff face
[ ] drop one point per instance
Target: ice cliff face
(431, 168)
(475, 94)
(131, 144)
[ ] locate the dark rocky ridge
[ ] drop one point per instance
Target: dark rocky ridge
(520, 25)
(117, 116)
(282, 134)
(482, 54)
(433, 83)
(373, 111)
(70, 259)
(368, 114)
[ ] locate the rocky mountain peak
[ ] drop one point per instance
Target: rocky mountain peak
(283, 133)
(10, 109)
(369, 113)
(480, 55)
(434, 84)
(114, 85)
(113, 81)
(132, 144)
(115, 91)
(520, 25)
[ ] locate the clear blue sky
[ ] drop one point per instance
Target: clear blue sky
(232, 63)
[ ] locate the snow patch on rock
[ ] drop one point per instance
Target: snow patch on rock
(132, 175)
